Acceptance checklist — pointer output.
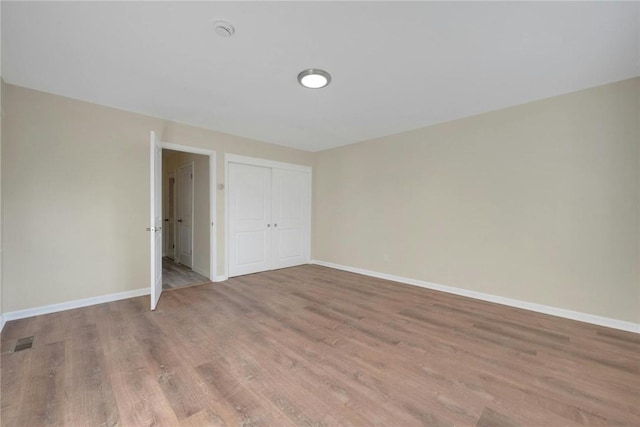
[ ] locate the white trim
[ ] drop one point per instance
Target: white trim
(187, 148)
(2, 322)
(69, 305)
(222, 278)
(213, 216)
(255, 161)
(540, 308)
(213, 185)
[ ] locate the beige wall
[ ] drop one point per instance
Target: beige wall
(539, 202)
(75, 187)
(171, 162)
(1, 113)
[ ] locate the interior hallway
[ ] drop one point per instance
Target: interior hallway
(176, 275)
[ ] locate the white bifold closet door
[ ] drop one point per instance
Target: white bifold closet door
(249, 218)
(268, 218)
(290, 216)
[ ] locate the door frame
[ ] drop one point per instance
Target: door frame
(255, 161)
(213, 180)
(179, 203)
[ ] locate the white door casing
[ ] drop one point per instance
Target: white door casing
(185, 215)
(249, 218)
(290, 216)
(155, 231)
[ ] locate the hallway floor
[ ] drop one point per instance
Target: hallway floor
(176, 275)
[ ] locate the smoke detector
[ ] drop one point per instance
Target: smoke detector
(223, 28)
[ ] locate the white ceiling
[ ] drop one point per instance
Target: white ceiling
(395, 66)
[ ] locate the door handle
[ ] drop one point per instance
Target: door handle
(179, 220)
(275, 225)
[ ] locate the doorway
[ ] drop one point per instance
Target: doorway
(186, 219)
(168, 162)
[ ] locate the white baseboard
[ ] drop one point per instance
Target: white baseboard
(2, 322)
(53, 308)
(546, 309)
(221, 278)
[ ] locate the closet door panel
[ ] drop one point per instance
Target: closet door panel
(290, 215)
(249, 219)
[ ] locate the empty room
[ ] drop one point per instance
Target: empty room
(319, 213)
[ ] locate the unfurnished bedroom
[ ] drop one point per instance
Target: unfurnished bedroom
(319, 214)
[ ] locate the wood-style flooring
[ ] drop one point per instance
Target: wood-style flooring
(176, 275)
(312, 346)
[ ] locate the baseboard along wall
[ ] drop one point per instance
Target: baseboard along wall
(540, 308)
(69, 305)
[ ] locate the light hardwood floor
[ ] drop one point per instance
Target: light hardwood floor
(176, 275)
(312, 346)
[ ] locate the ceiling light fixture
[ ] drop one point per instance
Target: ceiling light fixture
(314, 78)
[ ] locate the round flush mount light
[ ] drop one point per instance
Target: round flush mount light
(314, 78)
(224, 29)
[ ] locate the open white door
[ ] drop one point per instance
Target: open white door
(155, 231)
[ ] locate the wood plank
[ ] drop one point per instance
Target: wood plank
(46, 390)
(312, 346)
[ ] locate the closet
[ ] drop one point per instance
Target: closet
(269, 215)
